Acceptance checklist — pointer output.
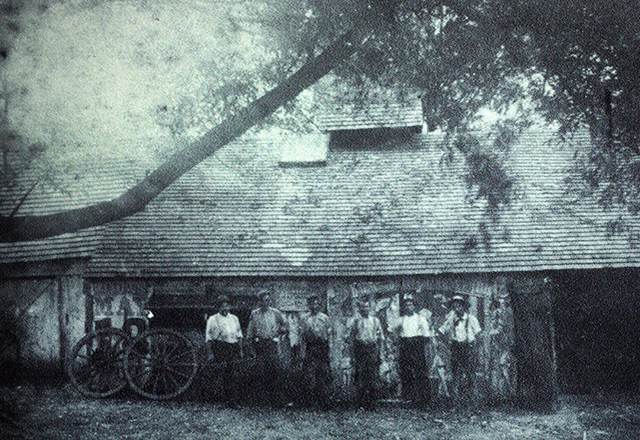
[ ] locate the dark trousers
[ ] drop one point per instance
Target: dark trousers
(269, 370)
(367, 364)
(462, 367)
(413, 370)
(317, 373)
(227, 356)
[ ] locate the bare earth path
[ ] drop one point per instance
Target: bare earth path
(48, 412)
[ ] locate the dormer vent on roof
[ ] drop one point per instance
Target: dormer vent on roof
(304, 150)
(371, 124)
(406, 113)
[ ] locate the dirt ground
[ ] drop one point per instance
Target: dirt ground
(59, 412)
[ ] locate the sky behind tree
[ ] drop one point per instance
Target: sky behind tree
(120, 79)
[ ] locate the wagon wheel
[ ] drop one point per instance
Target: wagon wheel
(96, 364)
(160, 364)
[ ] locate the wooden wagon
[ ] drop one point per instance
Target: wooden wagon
(158, 364)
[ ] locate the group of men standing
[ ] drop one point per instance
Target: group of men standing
(363, 333)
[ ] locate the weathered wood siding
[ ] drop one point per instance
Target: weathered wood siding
(71, 312)
(39, 326)
(48, 307)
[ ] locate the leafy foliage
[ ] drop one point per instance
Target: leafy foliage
(568, 62)
(486, 173)
(156, 76)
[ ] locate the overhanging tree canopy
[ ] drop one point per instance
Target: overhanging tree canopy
(573, 62)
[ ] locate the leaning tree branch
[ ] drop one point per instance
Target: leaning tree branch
(35, 227)
(15, 210)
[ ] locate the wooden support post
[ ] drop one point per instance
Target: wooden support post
(62, 328)
(87, 290)
(534, 343)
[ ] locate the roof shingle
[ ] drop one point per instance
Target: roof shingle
(373, 115)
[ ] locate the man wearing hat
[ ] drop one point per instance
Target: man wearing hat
(413, 329)
(463, 328)
(316, 329)
(224, 335)
(266, 326)
(365, 332)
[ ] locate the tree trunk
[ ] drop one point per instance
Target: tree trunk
(25, 228)
(534, 343)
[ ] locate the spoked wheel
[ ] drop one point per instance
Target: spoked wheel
(161, 364)
(96, 364)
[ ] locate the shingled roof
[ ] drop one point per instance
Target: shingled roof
(353, 117)
(404, 209)
(77, 189)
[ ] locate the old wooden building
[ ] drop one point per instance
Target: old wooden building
(43, 286)
(370, 206)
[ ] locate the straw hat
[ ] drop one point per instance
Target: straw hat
(457, 298)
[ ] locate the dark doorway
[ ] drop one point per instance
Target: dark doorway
(189, 312)
(597, 320)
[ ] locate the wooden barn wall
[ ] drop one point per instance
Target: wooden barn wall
(129, 297)
(118, 299)
(46, 306)
(38, 323)
(72, 312)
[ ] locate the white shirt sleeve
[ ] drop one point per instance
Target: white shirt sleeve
(238, 329)
(211, 330)
(474, 327)
(394, 324)
(448, 323)
(426, 327)
(349, 328)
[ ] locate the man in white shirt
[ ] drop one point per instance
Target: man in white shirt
(366, 334)
(316, 329)
(224, 335)
(267, 325)
(413, 329)
(463, 329)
